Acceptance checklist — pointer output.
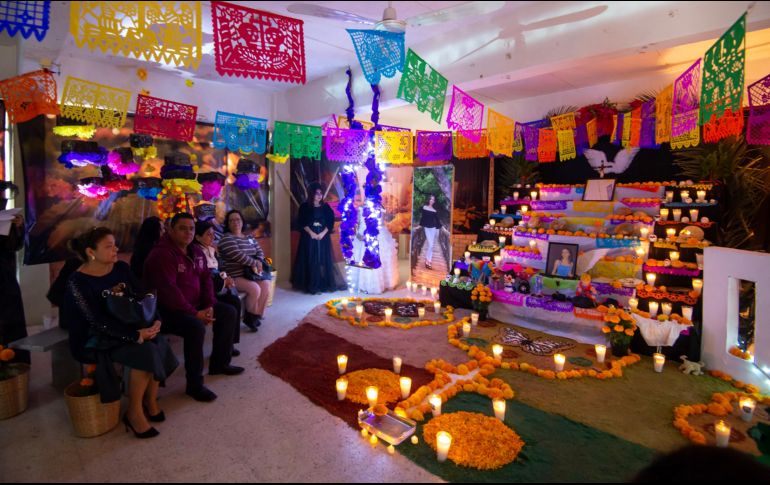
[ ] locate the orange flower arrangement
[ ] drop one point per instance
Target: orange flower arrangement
(736, 351)
(618, 217)
(448, 316)
(523, 249)
(674, 264)
(380, 410)
(621, 326)
(386, 382)
(720, 405)
(85, 386)
(180, 205)
(8, 370)
(481, 297)
(661, 293)
(594, 235)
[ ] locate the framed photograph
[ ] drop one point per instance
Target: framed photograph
(599, 190)
(562, 260)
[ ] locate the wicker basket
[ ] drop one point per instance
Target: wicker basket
(89, 416)
(14, 393)
(272, 288)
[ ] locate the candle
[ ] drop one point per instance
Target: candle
(699, 260)
(435, 405)
(499, 406)
(342, 388)
(474, 318)
(501, 240)
(722, 431)
(664, 214)
(694, 215)
(532, 244)
(653, 309)
(684, 194)
(344, 302)
(443, 442)
(467, 256)
(747, 406)
(670, 233)
(651, 279)
(697, 285)
(373, 440)
(659, 359)
(409, 286)
(677, 214)
(687, 312)
(391, 450)
(492, 222)
(503, 209)
(371, 394)
(645, 231)
(640, 252)
(515, 196)
(360, 311)
(601, 351)
(388, 314)
(533, 195)
(669, 196)
(701, 195)
(497, 351)
(466, 329)
(406, 386)
(421, 311)
(433, 292)
(666, 307)
(558, 362)
(673, 256)
(342, 363)
(633, 303)
(524, 209)
(364, 433)
(457, 273)
(498, 260)
(437, 307)
(424, 290)
(397, 364)
(415, 440)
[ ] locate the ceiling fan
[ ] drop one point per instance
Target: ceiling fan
(390, 21)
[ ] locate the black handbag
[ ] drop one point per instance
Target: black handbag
(130, 309)
(265, 275)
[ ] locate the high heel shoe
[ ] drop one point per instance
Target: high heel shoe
(158, 418)
(150, 433)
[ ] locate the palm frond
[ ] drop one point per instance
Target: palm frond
(561, 110)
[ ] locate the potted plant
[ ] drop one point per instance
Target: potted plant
(90, 417)
(619, 327)
(481, 297)
(14, 385)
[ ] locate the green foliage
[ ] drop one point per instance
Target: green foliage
(561, 110)
(514, 170)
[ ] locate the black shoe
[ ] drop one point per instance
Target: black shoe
(257, 320)
(202, 394)
(250, 320)
(230, 370)
(235, 352)
(158, 418)
(150, 433)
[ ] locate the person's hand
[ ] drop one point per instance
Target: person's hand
(229, 282)
(206, 316)
(258, 267)
(18, 220)
(151, 332)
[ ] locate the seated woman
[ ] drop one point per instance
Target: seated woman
(150, 232)
(239, 253)
(97, 336)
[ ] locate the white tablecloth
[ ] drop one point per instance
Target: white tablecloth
(657, 333)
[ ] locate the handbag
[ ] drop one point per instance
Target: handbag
(265, 275)
(130, 309)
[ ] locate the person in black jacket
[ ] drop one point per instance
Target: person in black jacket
(150, 233)
(12, 322)
(431, 223)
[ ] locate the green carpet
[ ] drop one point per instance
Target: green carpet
(557, 449)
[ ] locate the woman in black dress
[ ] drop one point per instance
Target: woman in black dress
(314, 270)
(431, 223)
(12, 323)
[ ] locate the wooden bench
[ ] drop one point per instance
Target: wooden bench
(64, 369)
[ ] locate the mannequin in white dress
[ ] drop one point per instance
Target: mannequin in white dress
(374, 281)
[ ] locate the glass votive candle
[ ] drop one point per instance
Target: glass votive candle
(498, 260)
(373, 440)
(533, 195)
(433, 292)
(601, 352)
(651, 277)
(658, 361)
(666, 308)
(515, 196)
(342, 388)
(409, 286)
(670, 233)
(499, 406)
(437, 307)
(503, 209)
(644, 231)
(421, 311)
(673, 256)
(684, 194)
(342, 363)
(532, 244)
(524, 209)
(497, 351)
(492, 222)
(457, 273)
(747, 406)
(687, 312)
(397, 364)
(388, 314)
(466, 329)
(558, 362)
(664, 214)
(633, 303)
(653, 309)
(639, 252)
(406, 386)
(435, 405)
(697, 285)
(722, 432)
(443, 443)
(677, 214)
(424, 290)
(669, 196)
(360, 311)
(344, 303)
(501, 240)
(474, 318)
(372, 393)
(467, 256)
(701, 195)
(391, 450)
(694, 215)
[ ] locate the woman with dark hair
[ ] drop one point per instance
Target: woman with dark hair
(96, 335)
(432, 224)
(150, 232)
(242, 257)
(314, 270)
(12, 322)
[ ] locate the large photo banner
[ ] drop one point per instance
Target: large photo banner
(432, 201)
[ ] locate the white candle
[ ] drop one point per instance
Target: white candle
(466, 329)
(533, 195)
(498, 260)
(433, 292)
(443, 442)
(677, 214)
(344, 302)
(633, 303)
(670, 233)
(515, 196)
(406, 386)
(360, 311)
(457, 273)
(474, 318)
(503, 209)
(499, 406)
(699, 260)
(371, 394)
(532, 244)
(415, 440)
(684, 194)
(697, 285)
(388, 314)
(391, 450)
(651, 279)
(373, 440)
(364, 433)
(664, 214)
(437, 307)
(409, 286)
(659, 359)
(666, 308)
(435, 405)
(524, 209)
(747, 406)
(645, 231)
(497, 351)
(601, 351)
(421, 311)
(669, 196)
(694, 215)
(492, 222)
(342, 363)
(673, 256)
(424, 290)
(687, 312)
(653, 309)
(558, 362)
(397, 364)
(342, 388)
(639, 252)
(501, 240)
(701, 195)
(722, 431)
(467, 256)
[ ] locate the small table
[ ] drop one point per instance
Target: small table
(64, 368)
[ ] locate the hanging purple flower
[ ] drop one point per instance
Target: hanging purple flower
(121, 161)
(247, 175)
(77, 153)
(93, 188)
(211, 184)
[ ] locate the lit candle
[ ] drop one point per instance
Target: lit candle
(409, 286)
(342, 388)
(532, 244)
(501, 240)
(640, 252)
(474, 318)
(515, 196)
(388, 314)
(687, 312)
(701, 195)
(424, 290)
(433, 292)
(651, 279)
(747, 406)
(499, 406)
(697, 285)
(373, 440)
(645, 231)
(435, 405)
(666, 308)
(497, 351)
(360, 311)
(673, 256)
(524, 209)
(415, 440)
(457, 273)
(503, 209)
(391, 450)
(344, 302)
(437, 307)
(633, 303)
(659, 359)
(558, 362)
(722, 431)
(443, 442)
(533, 195)
(492, 222)
(371, 394)
(342, 363)
(664, 214)
(498, 260)
(364, 433)
(694, 215)
(669, 196)
(466, 329)
(601, 351)
(677, 214)
(406, 386)
(467, 256)
(421, 311)
(653, 309)
(684, 194)
(397, 364)
(670, 233)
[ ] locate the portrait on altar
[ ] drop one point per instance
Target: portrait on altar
(599, 190)
(562, 260)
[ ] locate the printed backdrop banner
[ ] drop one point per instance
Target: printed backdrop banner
(432, 204)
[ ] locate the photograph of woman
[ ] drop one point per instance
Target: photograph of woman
(431, 223)
(561, 259)
(373, 281)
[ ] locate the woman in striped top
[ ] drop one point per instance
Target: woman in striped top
(239, 252)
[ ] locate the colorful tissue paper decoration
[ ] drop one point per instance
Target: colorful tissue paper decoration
(168, 32)
(211, 185)
(26, 18)
(423, 85)
(255, 43)
(83, 132)
(121, 161)
(465, 147)
(499, 133)
(297, 141)
(546, 145)
(29, 95)
(663, 113)
(626, 136)
(758, 130)
(465, 114)
(164, 118)
(394, 147)
(171, 200)
(563, 122)
(593, 135)
(349, 146)
(518, 138)
(115, 182)
(344, 122)
(532, 138)
(434, 145)
(148, 187)
(581, 139)
(685, 131)
(239, 132)
(93, 188)
(94, 103)
(636, 127)
(566, 143)
(647, 134)
(247, 176)
(381, 53)
(76, 153)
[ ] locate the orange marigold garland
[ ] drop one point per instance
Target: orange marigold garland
(180, 203)
(448, 315)
(720, 405)
(385, 381)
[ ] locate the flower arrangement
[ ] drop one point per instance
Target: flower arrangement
(736, 351)
(86, 386)
(180, 204)
(721, 405)
(386, 382)
(619, 326)
(481, 297)
(520, 229)
(380, 409)
(661, 293)
(674, 264)
(674, 317)
(7, 369)
(333, 311)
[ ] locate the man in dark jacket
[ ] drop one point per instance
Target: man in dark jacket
(177, 270)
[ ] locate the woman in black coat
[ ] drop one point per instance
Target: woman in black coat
(12, 323)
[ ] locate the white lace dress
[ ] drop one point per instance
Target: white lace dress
(375, 281)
